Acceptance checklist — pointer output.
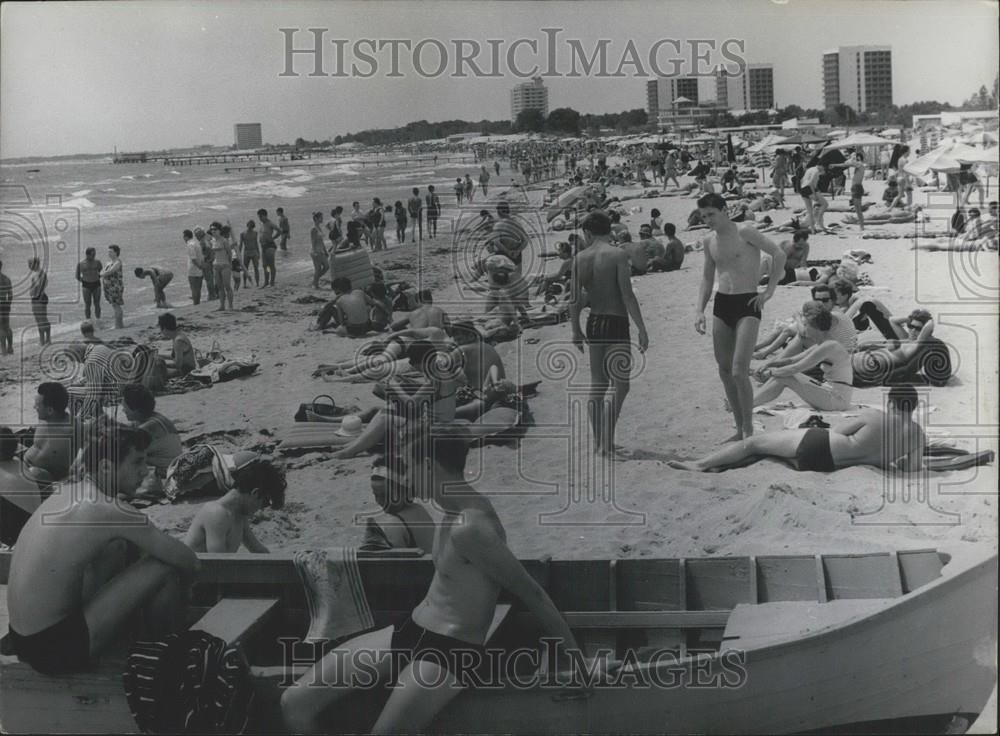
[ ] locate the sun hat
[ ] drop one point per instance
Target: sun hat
(351, 426)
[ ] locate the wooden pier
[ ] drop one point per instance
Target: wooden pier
(235, 156)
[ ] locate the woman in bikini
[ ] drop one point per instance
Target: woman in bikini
(40, 300)
(833, 392)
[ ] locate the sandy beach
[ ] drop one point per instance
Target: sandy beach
(551, 502)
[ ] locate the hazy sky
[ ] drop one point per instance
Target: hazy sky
(84, 77)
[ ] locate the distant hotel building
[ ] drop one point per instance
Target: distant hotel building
(248, 135)
(858, 76)
(673, 103)
(531, 95)
(662, 91)
(753, 90)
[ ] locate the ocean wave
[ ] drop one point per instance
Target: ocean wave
(410, 175)
(262, 188)
(79, 203)
(82, 193)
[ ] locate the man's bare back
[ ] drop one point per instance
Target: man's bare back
(862, 441)
(227, 529)
(428, 315)
(355, 307)
(597, 270)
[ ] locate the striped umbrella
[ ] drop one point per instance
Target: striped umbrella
(761, 160)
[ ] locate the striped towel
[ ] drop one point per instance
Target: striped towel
(335, 594)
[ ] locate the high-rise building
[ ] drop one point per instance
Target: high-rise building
(248, 135)
(752, 90)
(858, 76)
(531, 95)
(669, 99)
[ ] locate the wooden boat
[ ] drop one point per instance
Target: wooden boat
(768, 644)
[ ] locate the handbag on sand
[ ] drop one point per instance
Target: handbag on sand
(318, 411)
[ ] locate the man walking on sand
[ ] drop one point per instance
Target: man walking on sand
(415, 206)
(602, 281)
(734, 251)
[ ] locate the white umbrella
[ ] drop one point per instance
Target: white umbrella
(979, 156)
(765, 142)
(943, 158)
(981, 138)
(861, 139)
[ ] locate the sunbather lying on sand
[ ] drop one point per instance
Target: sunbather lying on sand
(888, 440)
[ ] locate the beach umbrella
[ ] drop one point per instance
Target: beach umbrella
(761, 160)
(981, 138)
(861, 139)
(799, 139)
(979, 156)
(730, 151)
(765, 142)
(943, 158)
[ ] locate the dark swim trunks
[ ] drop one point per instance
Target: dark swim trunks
(731, 308)
(359, 330)
(789, 276)
(857, 191)
(813, 452)
(604, 328)
(61, 648)
(806, 191)
(415, 642)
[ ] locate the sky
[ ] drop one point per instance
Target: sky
(87, 77)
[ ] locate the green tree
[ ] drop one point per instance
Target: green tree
(529, 121)
(564, 120)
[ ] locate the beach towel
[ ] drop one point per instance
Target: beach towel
(202, 470)
(334, 592)
(225, 370)
(192, 682)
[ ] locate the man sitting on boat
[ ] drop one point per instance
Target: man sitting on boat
(70, 593)
(472, 563)
(888, 440)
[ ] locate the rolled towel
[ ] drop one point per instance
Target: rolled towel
(334, 592)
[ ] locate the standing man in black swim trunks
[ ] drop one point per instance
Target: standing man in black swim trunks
(602, 280)
(446, 632)
(734, 251)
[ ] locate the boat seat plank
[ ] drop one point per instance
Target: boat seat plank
(236, 619)
(646, 619)
(752, 626)
(714, 584)
(861, 576)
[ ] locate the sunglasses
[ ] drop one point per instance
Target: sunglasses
(824, 299)
(915, 326)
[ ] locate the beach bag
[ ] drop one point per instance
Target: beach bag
(319, 411)
(191, 682)
(203, 470)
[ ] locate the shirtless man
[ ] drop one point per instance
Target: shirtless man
(223, 524)
(815, 203)
(734, 250)
(425, 315)
(796, 253)
(181, 360)
(602, 281)
(889, 440)
(351, 309)
(68, 595)
(415, 208)
(160, 278)
(857, 166)
(472, 563)
(638, 256)
(49, 457)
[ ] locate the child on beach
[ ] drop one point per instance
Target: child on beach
(160, 278)
(320, 259)
(222, 525)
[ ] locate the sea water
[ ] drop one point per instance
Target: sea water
(57, 209)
